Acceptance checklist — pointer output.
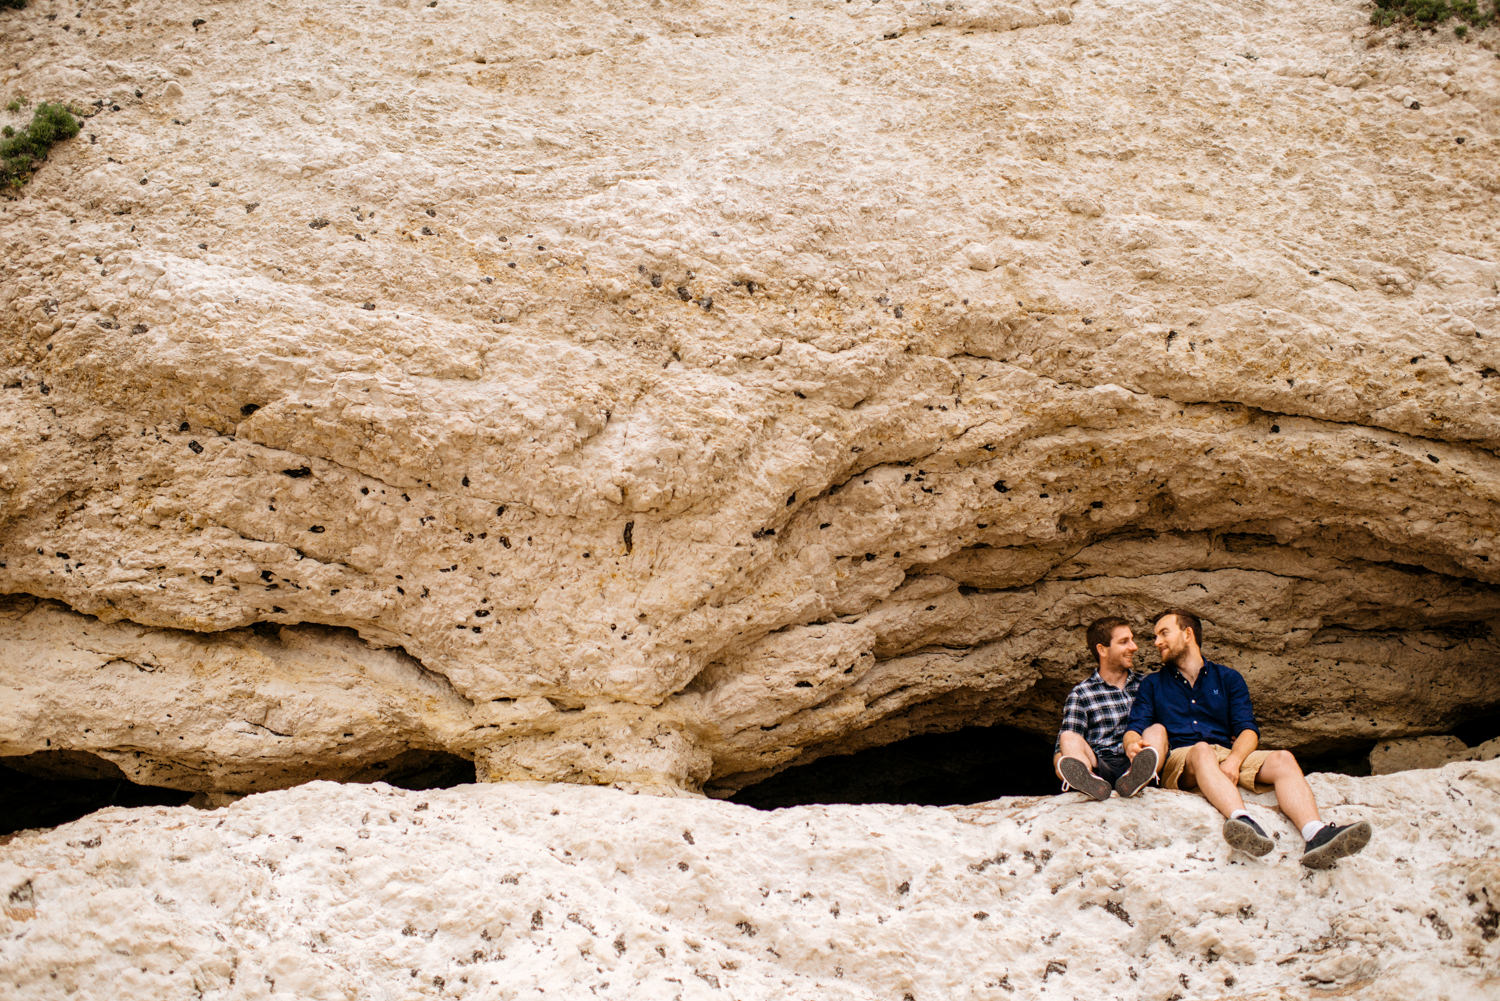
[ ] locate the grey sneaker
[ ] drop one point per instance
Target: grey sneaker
(1141, 771)
(1245, 834)
(1078, 776)
(1333, 843)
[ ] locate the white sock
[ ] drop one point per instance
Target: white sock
(1240, 813)
(1310, 828)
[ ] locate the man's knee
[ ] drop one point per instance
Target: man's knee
(1075, 745)
(1201, 755)
(1279, 764)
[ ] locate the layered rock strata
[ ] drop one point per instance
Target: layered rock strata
(663, 395)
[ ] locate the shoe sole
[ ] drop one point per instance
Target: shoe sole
(1078, 776)
(1242, 836)
(1343, 844)
(1140, 773)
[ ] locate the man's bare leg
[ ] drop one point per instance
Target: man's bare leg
(1146, 757)
(1326, 844)
(1076, 765)
(1155, 736)
(1074, 746)
(1293, 794)
(1202, 772)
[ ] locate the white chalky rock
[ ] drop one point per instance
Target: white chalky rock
(979, 257)
(510, 890)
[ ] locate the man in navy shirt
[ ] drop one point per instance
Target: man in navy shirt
(1088, 756)
(1196, 715)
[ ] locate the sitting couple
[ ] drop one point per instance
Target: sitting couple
(1192, 722)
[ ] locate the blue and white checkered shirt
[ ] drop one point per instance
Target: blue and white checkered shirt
(1098, 710)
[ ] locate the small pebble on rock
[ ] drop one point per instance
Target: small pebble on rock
(979, 257)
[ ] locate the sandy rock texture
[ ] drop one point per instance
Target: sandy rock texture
(1427, 752)
(663, 394)
(510, 890)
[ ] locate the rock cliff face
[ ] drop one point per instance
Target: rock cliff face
(520, 891)
(663, 394)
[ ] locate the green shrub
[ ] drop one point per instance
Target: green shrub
(20, 153)
(1430, 13)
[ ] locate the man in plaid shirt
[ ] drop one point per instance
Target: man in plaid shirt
(1088, 755)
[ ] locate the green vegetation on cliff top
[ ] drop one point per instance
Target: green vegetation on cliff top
(21, 152)
(1430, 13)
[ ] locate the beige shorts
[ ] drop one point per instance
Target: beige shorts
(1171, 772)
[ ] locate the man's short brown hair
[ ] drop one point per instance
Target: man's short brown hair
(1101, 632)
(1185, 620)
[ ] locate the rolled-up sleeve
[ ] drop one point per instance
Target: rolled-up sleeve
(1241, 715)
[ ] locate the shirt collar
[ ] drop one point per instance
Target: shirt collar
(1207, 666)
(1098, 679)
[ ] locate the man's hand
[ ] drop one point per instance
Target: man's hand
(1230, 766)
(1131, 744)
(1244, 744)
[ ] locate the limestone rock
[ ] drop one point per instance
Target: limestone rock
(979, 257)
(1416, 752)
(507, 890)
(1427, 752)
(604, 392)
(242, 710)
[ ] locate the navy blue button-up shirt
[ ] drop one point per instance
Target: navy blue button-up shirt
(1215, 710)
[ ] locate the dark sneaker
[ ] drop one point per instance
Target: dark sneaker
(1245, 834)
(1078, 776)
(1333, 843)
(1141, 771)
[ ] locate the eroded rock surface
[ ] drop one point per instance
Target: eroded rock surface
(660, 395)
(1427, 752)
(509, 890)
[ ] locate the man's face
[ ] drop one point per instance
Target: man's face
(1172, 642)
(1120, 653)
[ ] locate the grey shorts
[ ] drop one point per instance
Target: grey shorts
(1111, 765)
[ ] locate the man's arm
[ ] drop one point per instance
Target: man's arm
(1241, 723)
(1074, 718)
(1247, 741)
(1142, 715)
(1241, 714)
